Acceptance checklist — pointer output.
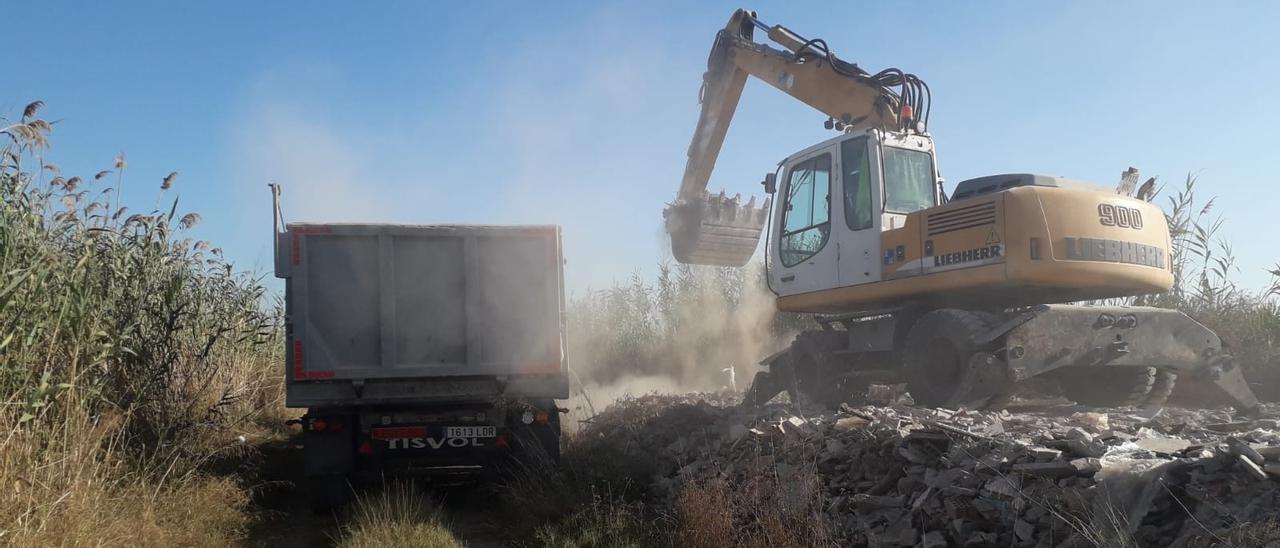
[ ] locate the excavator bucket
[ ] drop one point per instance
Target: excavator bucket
(715, 230)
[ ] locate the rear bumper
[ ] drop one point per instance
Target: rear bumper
(348, 393)
(457, 439)
(1049, 337)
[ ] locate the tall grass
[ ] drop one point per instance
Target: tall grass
(129, 354)
(1205, 287)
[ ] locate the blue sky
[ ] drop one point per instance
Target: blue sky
(580, 113)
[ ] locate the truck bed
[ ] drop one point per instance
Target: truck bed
(381, 313)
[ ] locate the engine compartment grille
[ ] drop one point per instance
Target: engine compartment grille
(962, 218)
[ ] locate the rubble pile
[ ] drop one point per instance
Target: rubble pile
(1053, 476)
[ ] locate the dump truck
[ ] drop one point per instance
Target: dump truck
(961, 296)
(435, 351)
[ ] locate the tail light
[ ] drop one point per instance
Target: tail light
(324, 425)
(365, 448)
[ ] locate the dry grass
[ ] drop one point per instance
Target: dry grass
(593, 497)
(398, 515)
(757, 509)
(1261, 535)
(602, 522)
(70, 485)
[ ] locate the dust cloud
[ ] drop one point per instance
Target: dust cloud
(691, 329)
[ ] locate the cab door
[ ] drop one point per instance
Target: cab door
(805, 257)
(859, 237)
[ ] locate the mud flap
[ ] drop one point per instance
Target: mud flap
(1056, 336)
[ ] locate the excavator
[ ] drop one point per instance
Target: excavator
(963, 297)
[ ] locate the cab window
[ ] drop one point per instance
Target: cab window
(856, 173)
(807, 214)
(908, 180)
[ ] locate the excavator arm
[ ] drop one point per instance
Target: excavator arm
(717, 230)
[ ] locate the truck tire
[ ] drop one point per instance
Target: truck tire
(1109, 386)
(937, 351)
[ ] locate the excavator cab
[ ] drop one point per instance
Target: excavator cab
(836, 198)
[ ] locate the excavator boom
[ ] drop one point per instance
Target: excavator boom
(718, 230)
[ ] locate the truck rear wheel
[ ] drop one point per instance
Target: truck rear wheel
(937, 351)
(1109, 386)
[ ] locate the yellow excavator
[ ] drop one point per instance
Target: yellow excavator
(957, 296)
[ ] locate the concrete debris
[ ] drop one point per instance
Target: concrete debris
(889, 394)
(1162, 445)
(907, 476)
(1248, 465)
(845, 424)
(934, 539)
(1271, 453)
(1095, 421)
(1243, 450)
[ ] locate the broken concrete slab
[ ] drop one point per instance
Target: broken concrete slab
(845, 424)
(1057, 469)
(1250, 467)
(1162, 445)
(1243, 449)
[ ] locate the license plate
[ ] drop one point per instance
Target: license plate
(470, 432)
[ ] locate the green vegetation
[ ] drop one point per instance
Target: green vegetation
(130, 358)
